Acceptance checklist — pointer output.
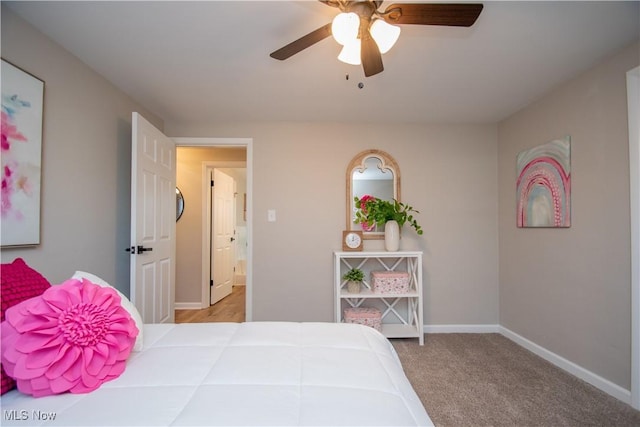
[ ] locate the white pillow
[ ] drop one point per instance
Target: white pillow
(126, 304)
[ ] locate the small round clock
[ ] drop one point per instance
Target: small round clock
(351, 240)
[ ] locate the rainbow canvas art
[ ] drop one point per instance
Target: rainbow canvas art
(543, 188)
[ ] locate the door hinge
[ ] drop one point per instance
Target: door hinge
(212, 183)
(210, 282)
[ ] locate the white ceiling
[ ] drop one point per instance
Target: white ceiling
(205, 61)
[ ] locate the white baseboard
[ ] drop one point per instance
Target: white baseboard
(188, 306)
(461, 329)
(576, 370)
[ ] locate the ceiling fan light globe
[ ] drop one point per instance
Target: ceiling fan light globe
(344, 27)
(350, 53)
(384, 34)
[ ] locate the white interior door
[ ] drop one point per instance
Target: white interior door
(222, 241)
(153, 222)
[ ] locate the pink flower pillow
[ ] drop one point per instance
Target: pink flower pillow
(72, 338)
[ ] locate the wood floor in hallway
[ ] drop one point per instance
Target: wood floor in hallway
(229, 309)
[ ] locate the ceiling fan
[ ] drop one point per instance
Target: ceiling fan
(366, 33)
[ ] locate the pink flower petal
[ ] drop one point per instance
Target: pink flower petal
(39, 307)
(102, 349)
(122, 325)
(40, 385)
(61, 384)
(24, 386)
(27, 343)
(63, 296)
(88, 380)
(30, 323)
(94, 361)
(74, 372)
(101, 297)
(118, 341)
(67, 357)
(23, 371)
(118, 368)
(42, 357)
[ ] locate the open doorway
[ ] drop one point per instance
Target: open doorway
(197, 159)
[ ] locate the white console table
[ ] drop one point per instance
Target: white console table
(401, 312)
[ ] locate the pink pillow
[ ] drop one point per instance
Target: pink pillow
(72, 338)
(18, 282)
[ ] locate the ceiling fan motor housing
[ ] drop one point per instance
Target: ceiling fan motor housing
(365, 9)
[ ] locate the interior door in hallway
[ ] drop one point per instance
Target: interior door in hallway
(223, 235)
(153, 222)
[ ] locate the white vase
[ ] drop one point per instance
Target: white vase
(391, 236)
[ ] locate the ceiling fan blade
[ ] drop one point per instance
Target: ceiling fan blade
(302, 43)
(370, 55)
(456, 15)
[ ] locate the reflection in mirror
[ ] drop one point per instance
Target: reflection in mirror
(374, 173)
(374, 181)
(179, 204)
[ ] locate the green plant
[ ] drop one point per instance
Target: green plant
(353, 275)
(372, 211)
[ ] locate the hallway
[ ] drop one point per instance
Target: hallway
(229, 309)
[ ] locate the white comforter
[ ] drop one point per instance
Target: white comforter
(256, 374)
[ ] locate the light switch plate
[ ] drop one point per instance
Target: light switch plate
(271, 215)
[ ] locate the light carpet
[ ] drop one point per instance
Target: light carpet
(488, 380)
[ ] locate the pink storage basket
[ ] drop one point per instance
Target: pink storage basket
(367, 316)
(390, 282)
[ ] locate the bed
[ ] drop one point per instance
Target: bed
(250, 374)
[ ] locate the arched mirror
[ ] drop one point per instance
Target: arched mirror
(179, 204)
(374, 173)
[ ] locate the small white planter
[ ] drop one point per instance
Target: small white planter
(391, 236)
(353, 287)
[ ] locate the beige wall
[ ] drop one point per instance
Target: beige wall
(189, 229)
(86, 161)
(448, 173)
(569, 290)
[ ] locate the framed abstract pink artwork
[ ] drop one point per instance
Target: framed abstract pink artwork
(543, 187)
(22, 115)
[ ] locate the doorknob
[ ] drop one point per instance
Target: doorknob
(233, 239)
(138, 249)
